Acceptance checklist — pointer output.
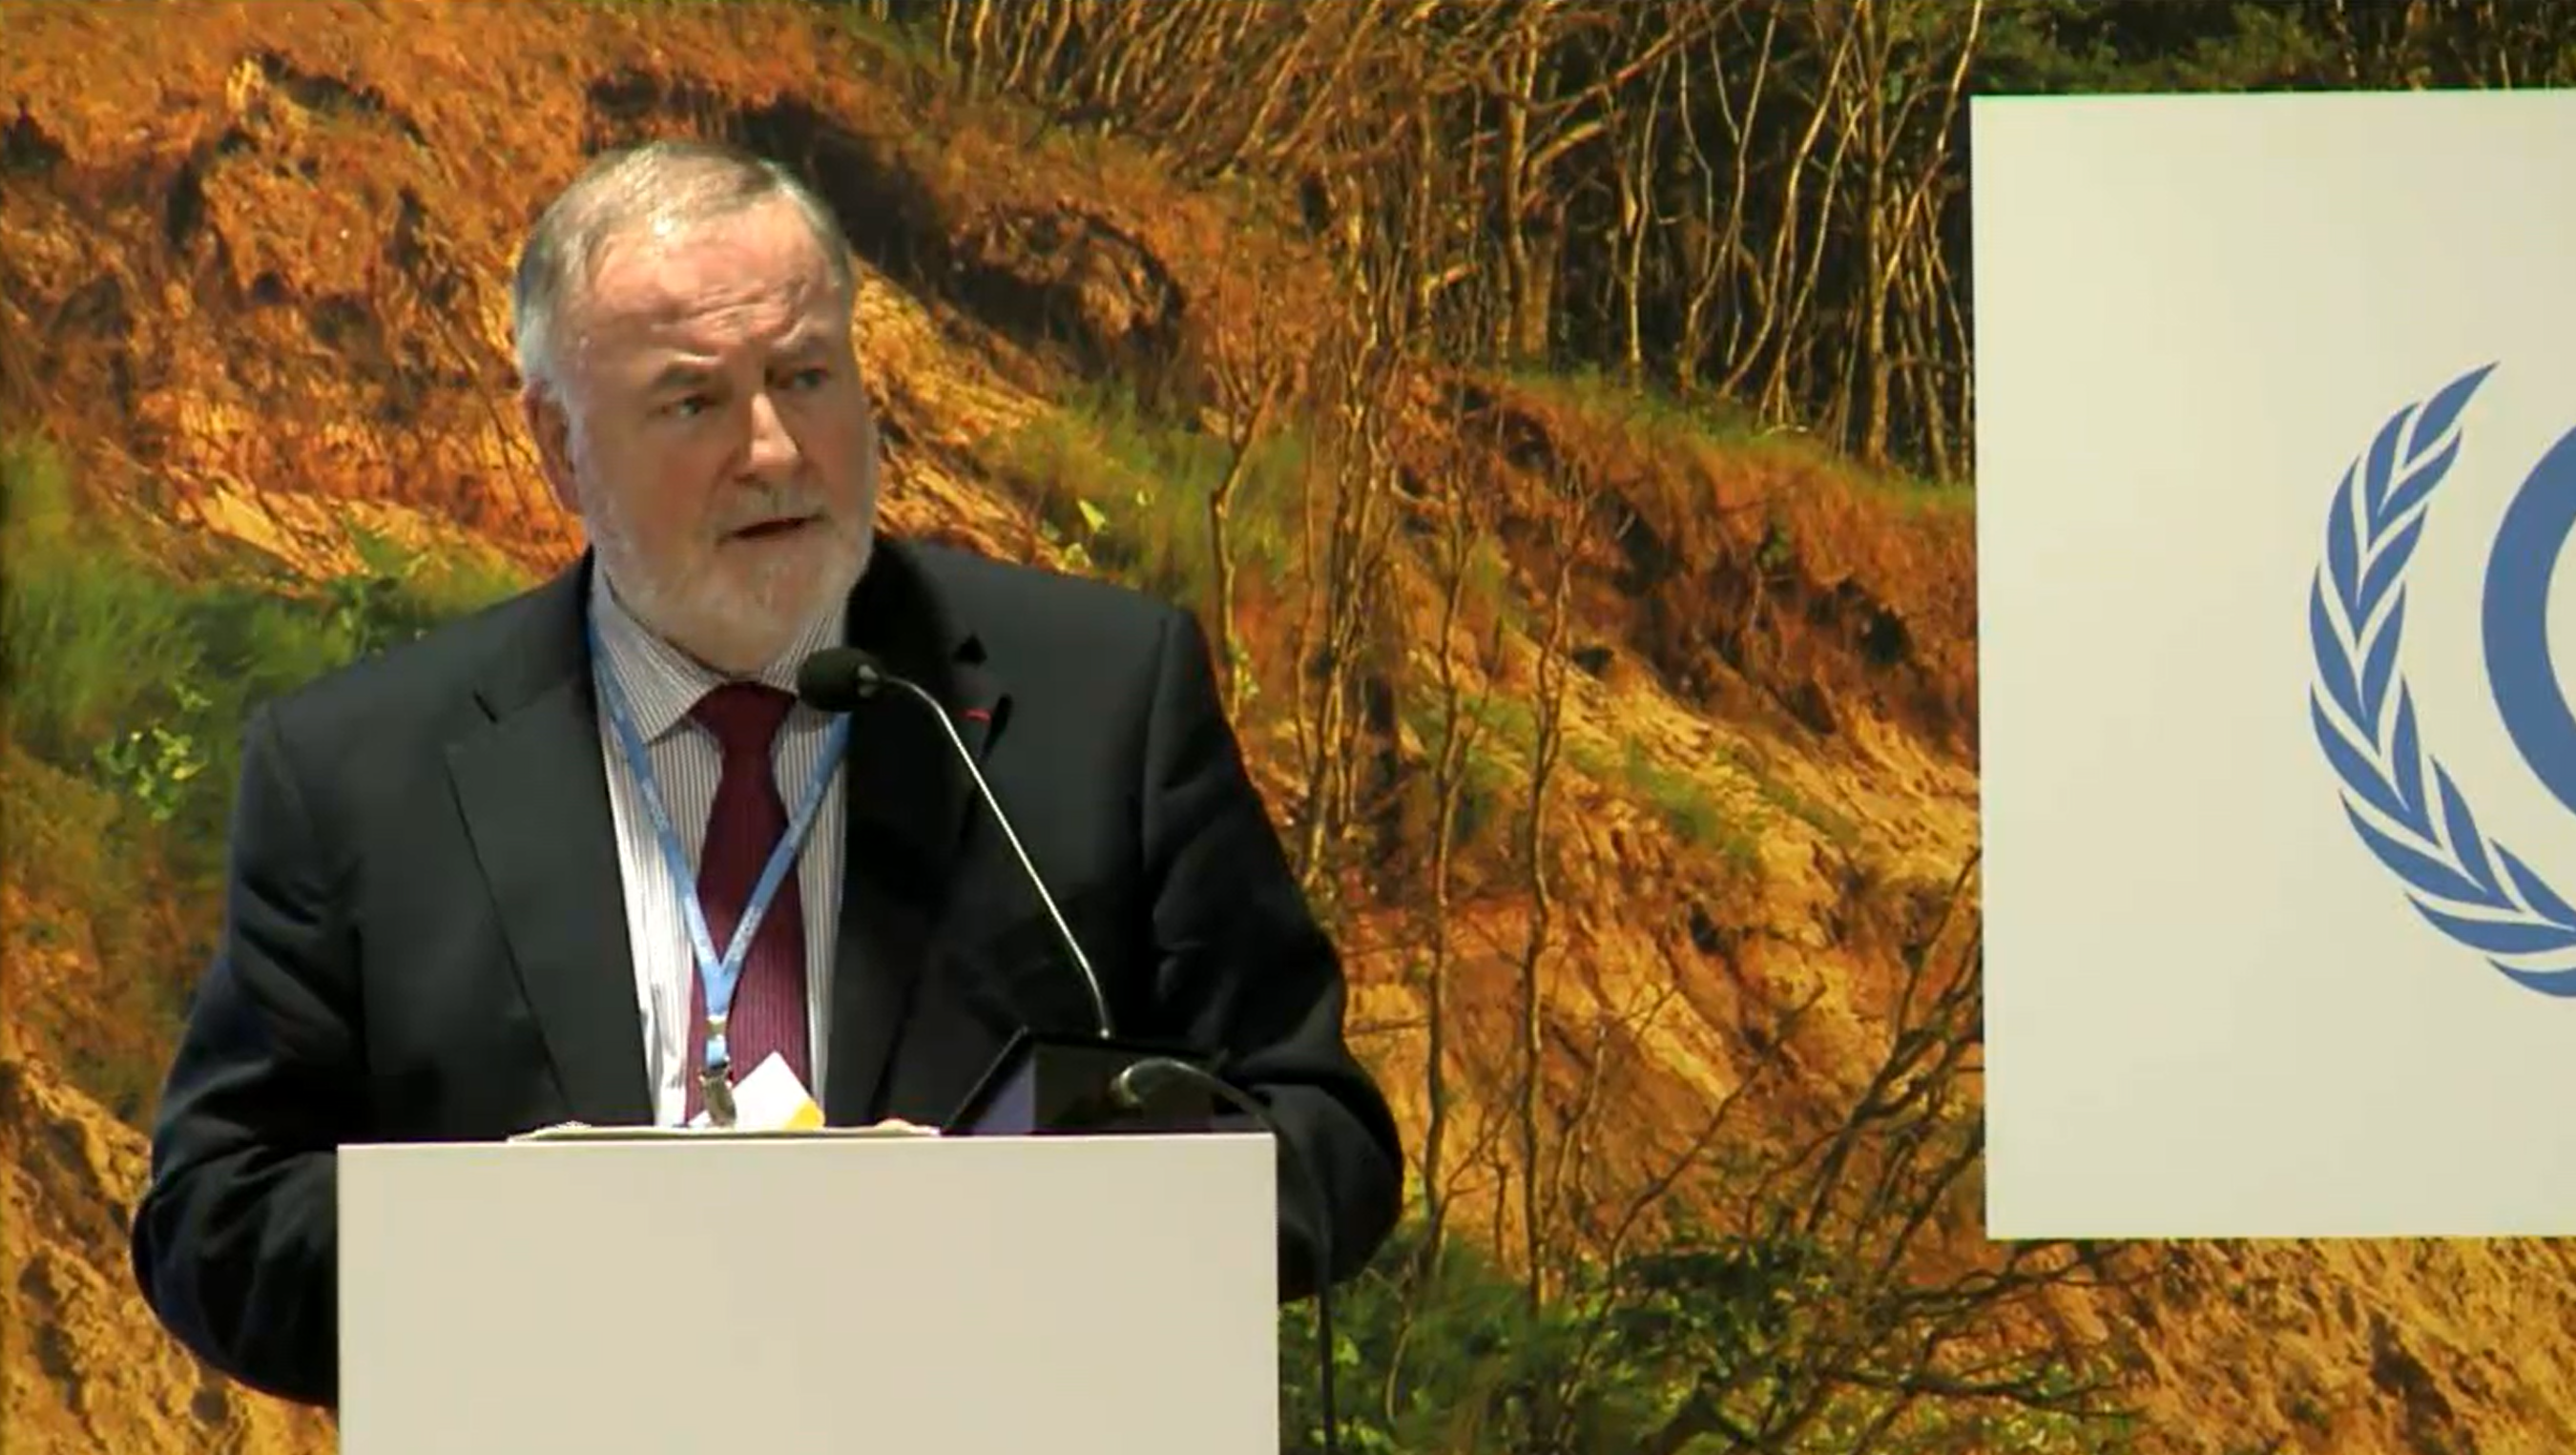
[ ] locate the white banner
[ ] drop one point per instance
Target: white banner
(2274, 409)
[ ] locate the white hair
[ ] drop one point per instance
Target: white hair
(673, 181)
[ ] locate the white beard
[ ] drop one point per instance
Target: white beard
(739, 618)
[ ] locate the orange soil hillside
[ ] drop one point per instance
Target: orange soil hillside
(251, 262)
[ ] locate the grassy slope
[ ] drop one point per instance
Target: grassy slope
(127, 687)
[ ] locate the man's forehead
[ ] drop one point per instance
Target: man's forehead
(668, 263)
(652, 284)
(767, 314)
(664, 310)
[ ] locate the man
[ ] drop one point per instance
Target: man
(462, 871)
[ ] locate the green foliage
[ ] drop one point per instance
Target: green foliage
(1661, 424)
(1508, 725)
(154, 765)
(1673, 1349)
(90, 634)
(1128, 492)
(1484, 786)
(1837, 826)
(118, 670)
(403, 594)
(1502, 739)
(121, 708)
(1687, 810)
(2064, 47)
(1505, 736)
(1645, 409)
(1457, 1359)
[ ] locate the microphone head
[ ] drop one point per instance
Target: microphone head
(837, 679)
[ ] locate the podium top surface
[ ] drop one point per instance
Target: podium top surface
(811, 1292)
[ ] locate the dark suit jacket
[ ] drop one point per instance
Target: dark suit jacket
(425, 937)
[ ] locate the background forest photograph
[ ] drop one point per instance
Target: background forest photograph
(1559, 412)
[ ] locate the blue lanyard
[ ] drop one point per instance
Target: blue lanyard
(719, 974)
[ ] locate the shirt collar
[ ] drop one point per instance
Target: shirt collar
(662, 682)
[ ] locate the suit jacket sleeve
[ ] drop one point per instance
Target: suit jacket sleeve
(234, 1240)
(1246, 969)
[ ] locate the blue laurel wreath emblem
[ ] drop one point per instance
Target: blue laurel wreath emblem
(2365, 714)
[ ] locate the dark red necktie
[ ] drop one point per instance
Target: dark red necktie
(743, 827)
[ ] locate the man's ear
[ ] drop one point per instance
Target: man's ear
(550, 426)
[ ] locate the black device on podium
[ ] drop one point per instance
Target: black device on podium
(1052, 1082)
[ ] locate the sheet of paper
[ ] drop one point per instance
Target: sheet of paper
(771, 1099)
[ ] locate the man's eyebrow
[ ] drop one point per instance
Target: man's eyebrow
(679, 374)
(682, 374)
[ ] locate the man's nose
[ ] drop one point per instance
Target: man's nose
(772, 449)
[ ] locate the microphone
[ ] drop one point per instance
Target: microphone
(1135, 1088)
(1040, 1082)
(838, 679)
(1048, 1083)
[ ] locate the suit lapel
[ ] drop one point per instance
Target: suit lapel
(908, 803)
(533, 789)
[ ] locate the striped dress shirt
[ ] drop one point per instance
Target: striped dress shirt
(661, 684)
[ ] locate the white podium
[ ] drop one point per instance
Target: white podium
(806, 1292)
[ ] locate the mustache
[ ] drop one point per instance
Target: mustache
(770, 506)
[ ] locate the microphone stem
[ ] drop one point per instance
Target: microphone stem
(1090, 980)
